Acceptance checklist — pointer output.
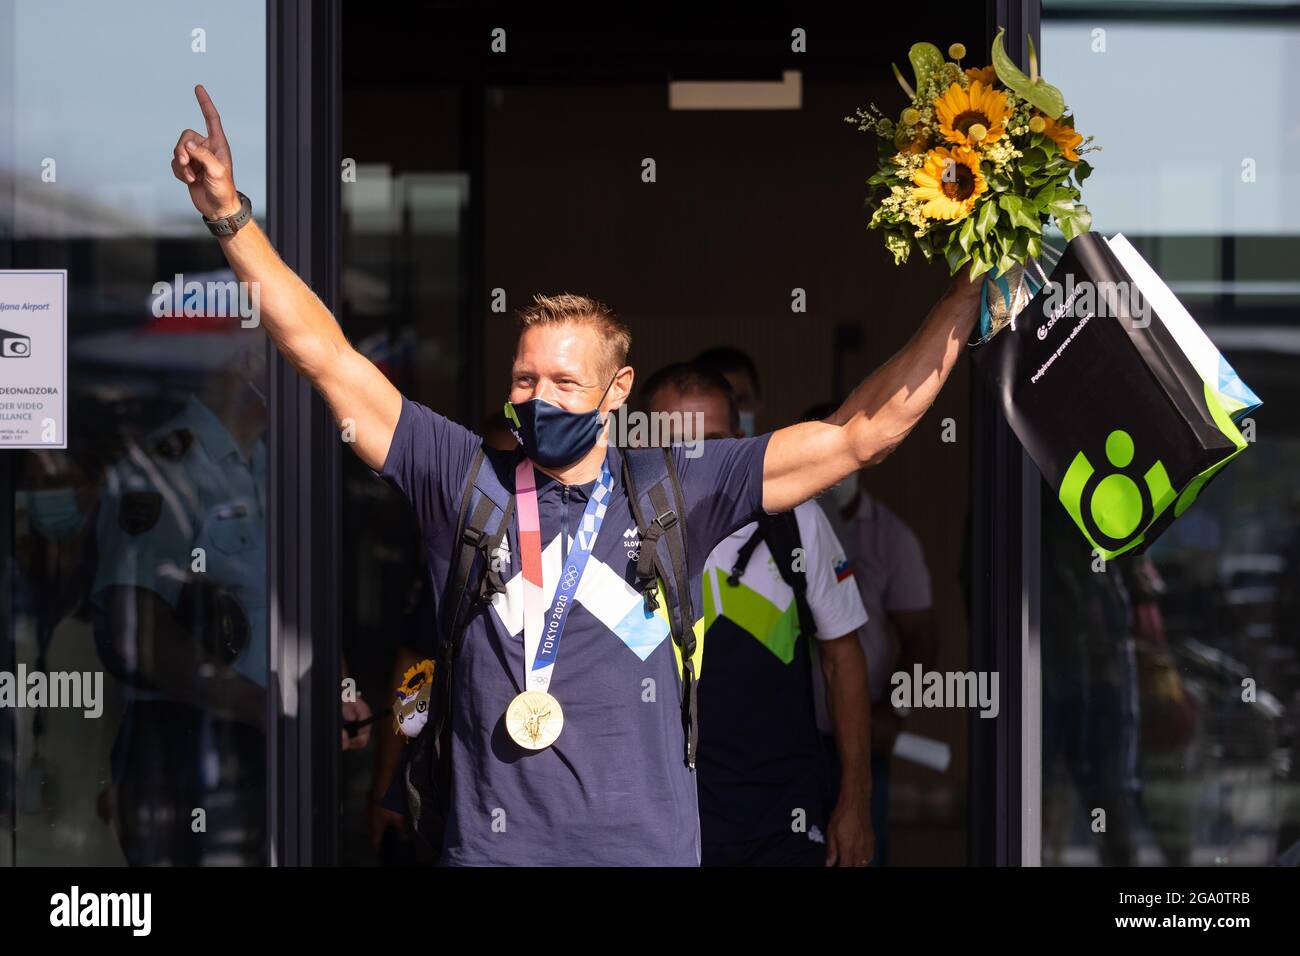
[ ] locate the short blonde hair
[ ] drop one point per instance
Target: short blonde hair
(566, 309)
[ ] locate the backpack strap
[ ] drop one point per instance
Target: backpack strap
(468, 536)
(643, 471)
(654, 472)
(743, 555)
(781, 532)
(473, 542)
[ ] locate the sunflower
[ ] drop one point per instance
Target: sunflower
(1064, 137)
(951, 197)
(957, 110)
(985, 74)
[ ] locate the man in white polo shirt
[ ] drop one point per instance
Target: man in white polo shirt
(764, 794)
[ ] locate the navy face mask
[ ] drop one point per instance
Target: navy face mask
(552, 436)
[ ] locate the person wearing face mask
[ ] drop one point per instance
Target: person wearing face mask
(742, 375)
(55, 513)
(592, 763)
(894, 581)
(779, 598)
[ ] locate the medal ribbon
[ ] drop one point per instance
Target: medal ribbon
(543, 628)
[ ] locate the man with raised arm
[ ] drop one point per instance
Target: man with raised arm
(608, 786)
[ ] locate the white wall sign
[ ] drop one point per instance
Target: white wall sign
(33, 358)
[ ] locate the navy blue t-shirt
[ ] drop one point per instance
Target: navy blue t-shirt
(613, 789)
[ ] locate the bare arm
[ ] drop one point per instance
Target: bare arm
(850, 839)
(805, 459)
(299, 324)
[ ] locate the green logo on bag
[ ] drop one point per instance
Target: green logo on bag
(1112, 507)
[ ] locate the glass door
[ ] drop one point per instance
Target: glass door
(133, 564)
(1171, 681)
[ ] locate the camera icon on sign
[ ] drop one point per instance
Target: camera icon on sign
(14, 345)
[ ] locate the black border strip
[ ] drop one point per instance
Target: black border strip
(303, 216)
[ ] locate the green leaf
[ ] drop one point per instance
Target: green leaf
(978, 266)
(1070, 228)
(1021, 211)
(1062, 208)
(956, 258)
(966, 234)
(988, 217)
(1073, 220)
(999, 184)
(1082, 171)
(1040, 94)
(1075, 224)
(1049, 193)
(1005, 264)
(1019, 249)
(1034, 247)
(1038, 155)
(926, 60)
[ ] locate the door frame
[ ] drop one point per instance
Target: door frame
(1005, 770)
(303, 220)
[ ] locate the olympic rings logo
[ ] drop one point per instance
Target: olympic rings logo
(570, 577)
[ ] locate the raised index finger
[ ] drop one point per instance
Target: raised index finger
(210, 115)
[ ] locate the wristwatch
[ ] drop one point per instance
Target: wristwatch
(231, 224)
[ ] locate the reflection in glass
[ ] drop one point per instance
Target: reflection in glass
(1171, 680)
(138, 555)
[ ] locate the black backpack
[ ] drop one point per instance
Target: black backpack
(781, 532)
(486, 510)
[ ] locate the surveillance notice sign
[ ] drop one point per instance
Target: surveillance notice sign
(33, 358)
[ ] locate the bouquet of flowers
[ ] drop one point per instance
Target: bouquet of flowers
(1125, 405)
(976, 164)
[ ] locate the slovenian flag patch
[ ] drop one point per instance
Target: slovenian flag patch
(842, 570)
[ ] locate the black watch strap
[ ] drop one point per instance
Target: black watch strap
(231, 224)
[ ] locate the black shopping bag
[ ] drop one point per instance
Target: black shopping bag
(1106, 402)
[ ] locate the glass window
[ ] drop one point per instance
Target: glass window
(404, 222)
(1171, 681)
(135, 563)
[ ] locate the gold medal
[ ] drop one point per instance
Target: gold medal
(534, 719)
